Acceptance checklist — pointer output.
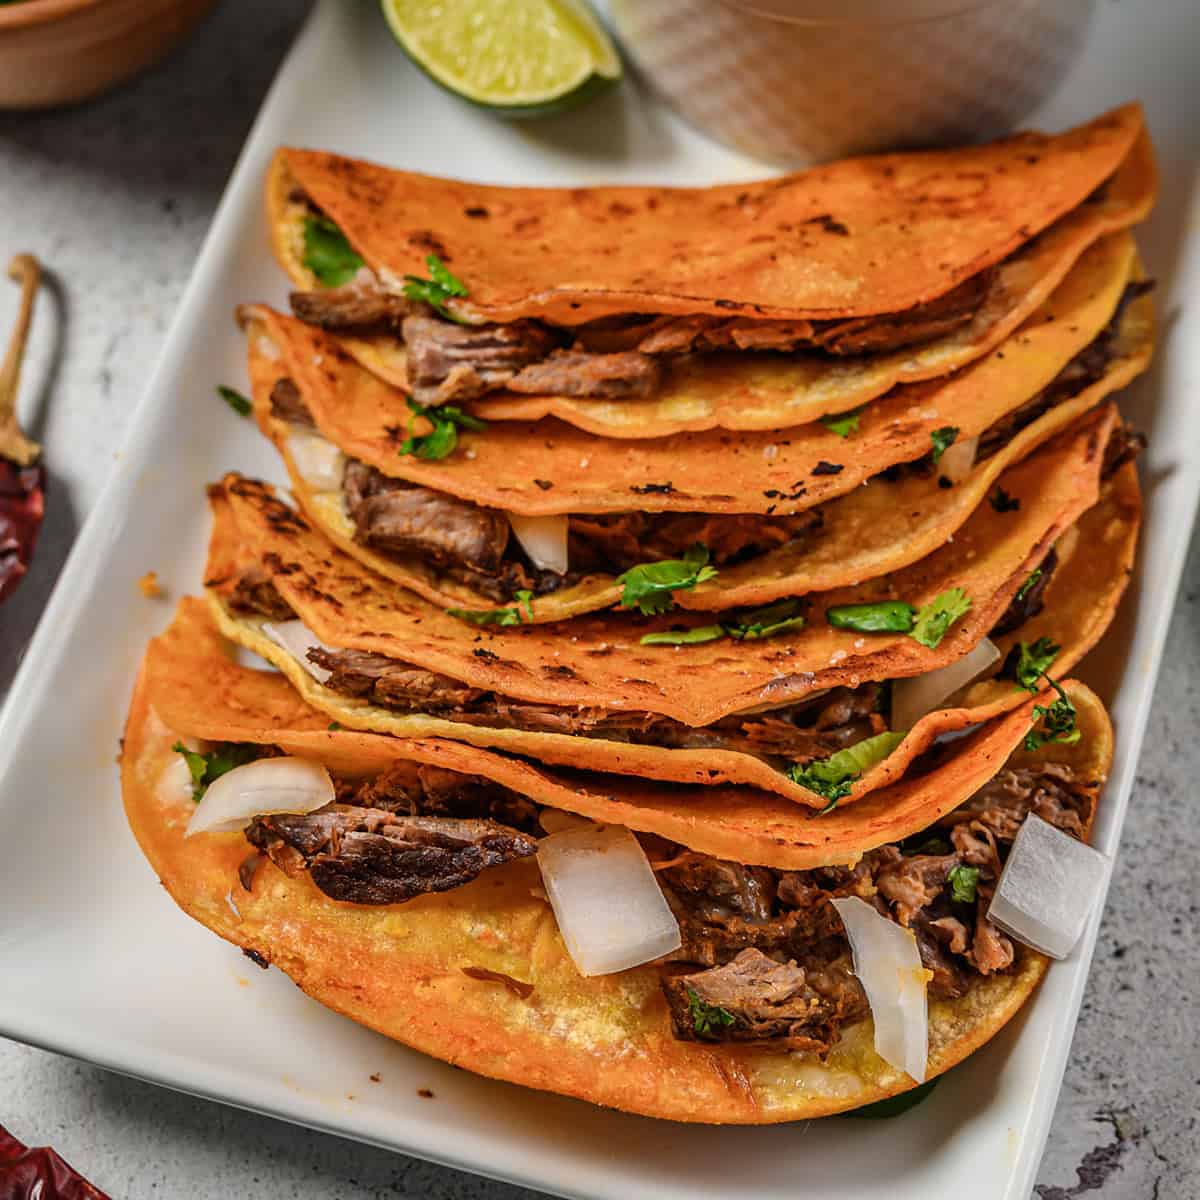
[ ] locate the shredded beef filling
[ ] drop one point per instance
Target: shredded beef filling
(1029, 600)
(767, 949)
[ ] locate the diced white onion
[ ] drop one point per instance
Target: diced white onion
(554, 820)
(1049, 886)
(319, 462)
(917, 695)
(888, 965)
(958, 460)
(270, 785)
(544, 539)
(175, 783)
(297, 639)
(610, 910)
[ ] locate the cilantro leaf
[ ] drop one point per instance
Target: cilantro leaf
(649, 586)
(441, 440)
(833, 777)
(935, 618)
(843, 424)
(437, 289)
(1033, 661)
(1002, 502)
(327, 253)
(963, 881)
(943, 439)
(767, 621)
(684, 637)
(707, 1018)
(1028, 585)
(925, 843)
(520, 614)
(885, 616)
(206, 767)
(235, 400)
(893, 1106)
(1058, 721)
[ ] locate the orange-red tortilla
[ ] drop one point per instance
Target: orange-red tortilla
(859, 237)
(1080, 605)
(400, 969)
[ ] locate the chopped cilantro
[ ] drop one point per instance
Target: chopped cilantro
(334, 727)
(437, 289)
(963, 882)
(650, 586)
(1002, 502)
(1033, 661)
(925, 843)
(943, 439)
(441, 440)
(684, 637)
(885, 616)
(520, 614)
(893, 1106)
(1058, 721)
(833, 777)
(843, 424)
(767, 621)
(1028, 585)
(206, 767)
(707, 1018)
(935, 618)
(235, 400)
(327, 253)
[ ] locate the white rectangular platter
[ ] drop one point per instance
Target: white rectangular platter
(96, 962)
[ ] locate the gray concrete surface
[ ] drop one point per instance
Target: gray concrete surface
(117, 196)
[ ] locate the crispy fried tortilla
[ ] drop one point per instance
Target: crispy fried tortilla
(421, 973)
(869, 531)
(762, 391)
(598, 656)
(860, 237)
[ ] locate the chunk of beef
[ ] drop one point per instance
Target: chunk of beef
(761, 1000)
(1051, 791)
(392, 683)
(392, 515)
(1029, 600)
(361, 306)
(288, 405)
(624, 375)
(1123, 446)
(913, 882)
(370, 856)
(449, 363)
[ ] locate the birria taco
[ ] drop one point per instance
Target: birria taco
(439, 894)
(637, 312)
(558, 514)
(793, 703)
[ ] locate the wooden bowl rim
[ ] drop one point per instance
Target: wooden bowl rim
(27, 13)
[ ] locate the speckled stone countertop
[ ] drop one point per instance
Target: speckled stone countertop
(116, 198)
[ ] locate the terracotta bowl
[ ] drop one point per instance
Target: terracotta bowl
(60, 51)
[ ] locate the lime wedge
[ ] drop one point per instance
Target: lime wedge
(517, 57)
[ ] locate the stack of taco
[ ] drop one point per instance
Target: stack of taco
(671, 617)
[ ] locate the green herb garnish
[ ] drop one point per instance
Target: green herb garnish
(441, 440)
(1033, 661)
(650, 586)
(1028, 585)
(963, 882)
(942, 440)
(933, 844)
(834, 777)
(893, 1106)
(843, 424)
(706, 1018)
(767, 621)
(885, 616)
(521, 614)
(206, 767)
(1058, 721)
(327, 253)
(437, 289)
(235, 400)
(684, 637)
(935, 618)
